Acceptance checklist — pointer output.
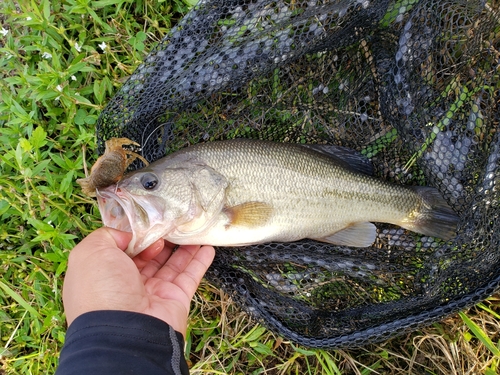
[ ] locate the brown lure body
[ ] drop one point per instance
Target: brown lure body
(110, 167)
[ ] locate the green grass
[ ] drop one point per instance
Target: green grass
(60, 63)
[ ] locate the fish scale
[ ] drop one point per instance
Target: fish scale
(333, 184)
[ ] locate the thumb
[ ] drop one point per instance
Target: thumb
(99, 240)
(114, 237)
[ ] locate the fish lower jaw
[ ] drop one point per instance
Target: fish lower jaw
(138, 243)
(143, 237)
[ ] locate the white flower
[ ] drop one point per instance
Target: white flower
(28, 18)
(103, 46)
(78, 47)
(4, 31)
(46, 55)
(59, 88)
(73, 78)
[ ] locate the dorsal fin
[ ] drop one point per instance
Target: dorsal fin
(348, 158)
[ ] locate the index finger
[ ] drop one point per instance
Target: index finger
(151, 252)
(187, 266)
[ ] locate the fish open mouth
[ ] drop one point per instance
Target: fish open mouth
(122, 211)
(115, 212)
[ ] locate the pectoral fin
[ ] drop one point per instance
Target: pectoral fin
(249, 214)
(356, 235)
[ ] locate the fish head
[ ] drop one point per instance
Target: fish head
(156, 201)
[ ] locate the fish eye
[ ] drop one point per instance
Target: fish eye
(149, 181)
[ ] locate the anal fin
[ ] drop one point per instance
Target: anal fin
(249, 214)
(356, 235)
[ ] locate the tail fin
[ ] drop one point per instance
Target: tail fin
(435, 217)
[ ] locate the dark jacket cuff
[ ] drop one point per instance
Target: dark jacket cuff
(121, 342)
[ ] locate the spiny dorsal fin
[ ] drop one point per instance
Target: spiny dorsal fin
(249, 214)
(348, 158)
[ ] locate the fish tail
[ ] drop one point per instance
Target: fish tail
(435, 217)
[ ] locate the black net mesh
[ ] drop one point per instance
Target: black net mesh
(413, 85)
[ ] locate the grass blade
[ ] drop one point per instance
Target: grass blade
(480, 334)
(20, 300)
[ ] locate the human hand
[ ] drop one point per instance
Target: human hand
(158, 282)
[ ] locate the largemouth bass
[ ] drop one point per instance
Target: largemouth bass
(240, 192)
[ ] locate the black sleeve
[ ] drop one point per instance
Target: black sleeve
(121, 342)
